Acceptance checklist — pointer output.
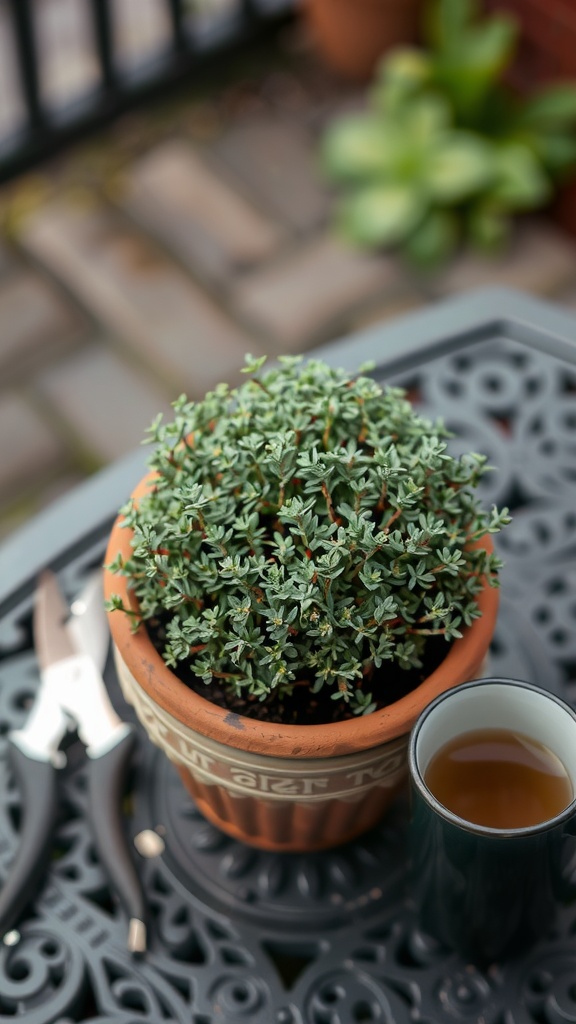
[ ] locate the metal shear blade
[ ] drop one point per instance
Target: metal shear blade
(72, 690)
(71, 693)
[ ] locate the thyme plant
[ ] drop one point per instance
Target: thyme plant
(306, 528)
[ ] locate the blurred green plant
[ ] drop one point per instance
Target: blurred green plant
(445, 151)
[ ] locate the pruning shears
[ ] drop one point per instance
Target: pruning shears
(71, 695)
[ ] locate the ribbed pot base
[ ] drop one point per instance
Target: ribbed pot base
(290, 827)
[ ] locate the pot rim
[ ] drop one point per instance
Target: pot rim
(333, 738)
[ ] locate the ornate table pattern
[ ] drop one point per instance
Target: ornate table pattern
(242, 935)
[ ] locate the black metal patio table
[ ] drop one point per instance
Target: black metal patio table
(237, 934)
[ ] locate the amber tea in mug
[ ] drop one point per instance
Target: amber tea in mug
(499, 778)
(493, 832)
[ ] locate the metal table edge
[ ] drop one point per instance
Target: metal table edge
(435, 327)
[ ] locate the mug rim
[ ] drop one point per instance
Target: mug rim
(444, 812)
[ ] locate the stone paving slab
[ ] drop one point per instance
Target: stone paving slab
(6, 262)
(35, 325)
(32, 502)
(176, 195)
(106, 402)
(275, 159)
(313, 291)
(541, 259)
(382, 311)
(31, 449)
(139, 295)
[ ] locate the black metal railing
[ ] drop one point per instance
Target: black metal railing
(39, 111)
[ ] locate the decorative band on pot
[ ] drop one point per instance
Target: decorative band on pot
(366, 781)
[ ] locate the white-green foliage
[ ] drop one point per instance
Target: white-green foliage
(444, 151)
(306, 526)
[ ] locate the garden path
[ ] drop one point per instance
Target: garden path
(149, 260)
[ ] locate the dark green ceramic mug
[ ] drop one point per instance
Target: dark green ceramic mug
(490, 892)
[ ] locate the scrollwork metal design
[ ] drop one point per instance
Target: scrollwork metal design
(41, 978)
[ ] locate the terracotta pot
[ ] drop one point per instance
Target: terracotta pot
(279, 787)
(352, 35)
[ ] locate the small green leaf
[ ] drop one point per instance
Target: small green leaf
(433, 240)
(425, 118)
(359, 147)
(461, 165)
(253, 363)
(470, 67)
(488, 46)
(553, 108)
(488, 227)
(556, 151)
(382, 215)
(402, 73)
(447, 20)
(521, 182)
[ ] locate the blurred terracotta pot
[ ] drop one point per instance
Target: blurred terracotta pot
(279, 787)
(352, 35)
